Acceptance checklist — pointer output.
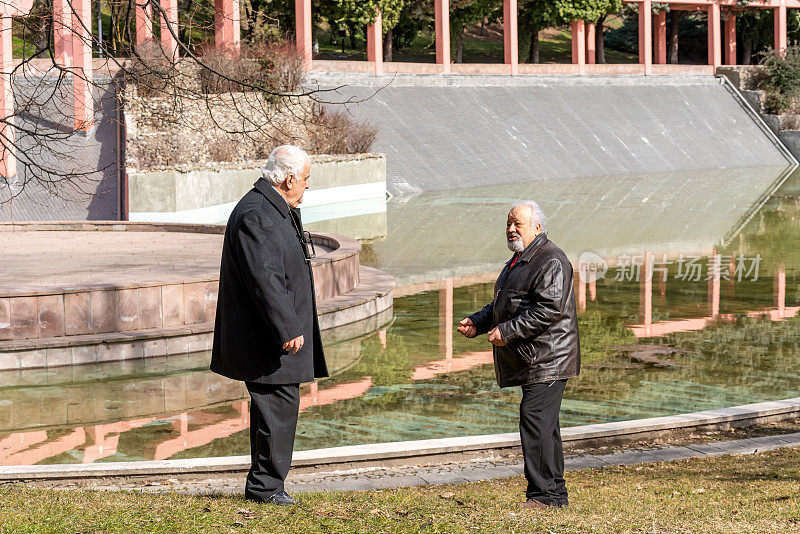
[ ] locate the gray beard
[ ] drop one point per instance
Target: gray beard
(515, 245)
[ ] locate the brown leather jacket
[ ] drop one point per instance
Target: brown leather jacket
(534, 307)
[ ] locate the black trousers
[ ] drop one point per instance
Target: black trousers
(541, 442)
(273, 422)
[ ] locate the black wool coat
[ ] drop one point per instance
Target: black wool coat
(266, 296)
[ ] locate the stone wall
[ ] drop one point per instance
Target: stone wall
(744, 77)
(748, 80)
(198, 129)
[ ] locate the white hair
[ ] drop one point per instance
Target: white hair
(283, 161)
(537, 212)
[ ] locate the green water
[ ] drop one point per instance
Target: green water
(404, 381)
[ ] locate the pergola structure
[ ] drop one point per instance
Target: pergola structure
(652, 39)
(73, 46)
(72, 39)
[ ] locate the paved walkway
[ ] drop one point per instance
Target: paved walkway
(47, 260)
(457, 473)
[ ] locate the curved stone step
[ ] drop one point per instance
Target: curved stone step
(372, 297)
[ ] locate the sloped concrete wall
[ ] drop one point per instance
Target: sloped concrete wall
(444, 132)
(93, 194)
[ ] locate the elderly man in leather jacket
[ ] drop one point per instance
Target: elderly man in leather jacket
(533, 327)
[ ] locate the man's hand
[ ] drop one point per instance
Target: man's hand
(467, 328)
(293, 345)
(495, 338)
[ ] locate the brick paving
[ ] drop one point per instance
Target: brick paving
(453, 473)
(47, 260)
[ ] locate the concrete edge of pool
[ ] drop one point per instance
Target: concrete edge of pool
(743, 415)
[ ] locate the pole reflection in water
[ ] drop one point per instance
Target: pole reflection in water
(670, 340)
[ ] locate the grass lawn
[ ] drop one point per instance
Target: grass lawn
(757, 493)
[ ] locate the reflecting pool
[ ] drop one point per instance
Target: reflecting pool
(715, 324)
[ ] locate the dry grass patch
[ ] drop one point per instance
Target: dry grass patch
(755, 493)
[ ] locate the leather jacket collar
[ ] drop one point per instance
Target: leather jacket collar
(533, 246)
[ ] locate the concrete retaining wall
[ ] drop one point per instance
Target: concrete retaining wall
(347, 194)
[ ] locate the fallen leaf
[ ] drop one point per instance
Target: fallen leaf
(446, 495)
(698, 490)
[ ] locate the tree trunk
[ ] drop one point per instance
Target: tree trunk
(460, 47)
(44, 27)
(184, 28)
(674, 25)
(387, 46)
(483, 23)
(533, 51)
(599, 40)
(747, 51)
(352, 30)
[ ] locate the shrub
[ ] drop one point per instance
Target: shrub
(336, 132)
(151, 71)
(776, 103)
(783, 70)
(782, 80)
(273, 66)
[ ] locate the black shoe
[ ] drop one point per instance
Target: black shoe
(281, 499)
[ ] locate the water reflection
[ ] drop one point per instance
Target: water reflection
(656, 344)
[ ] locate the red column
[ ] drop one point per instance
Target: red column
(226, 26)
(780, 26)
(62, 32)
(510, 38)
(375, 43)
(8, 162)
(646, 292)
(714, 36)
(383, 337)
(579, 44)
(144, 21)
(730, 40)
(441, 9)
(302, 11)
(82, 74)
(661, 37)
(646, 36)
(169, 21)
(780, 290)
(446, 319)
(314, 393)
(714, 267)
(591, 53)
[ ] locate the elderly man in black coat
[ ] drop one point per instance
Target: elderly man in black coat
(266, 331)
(533, 327)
